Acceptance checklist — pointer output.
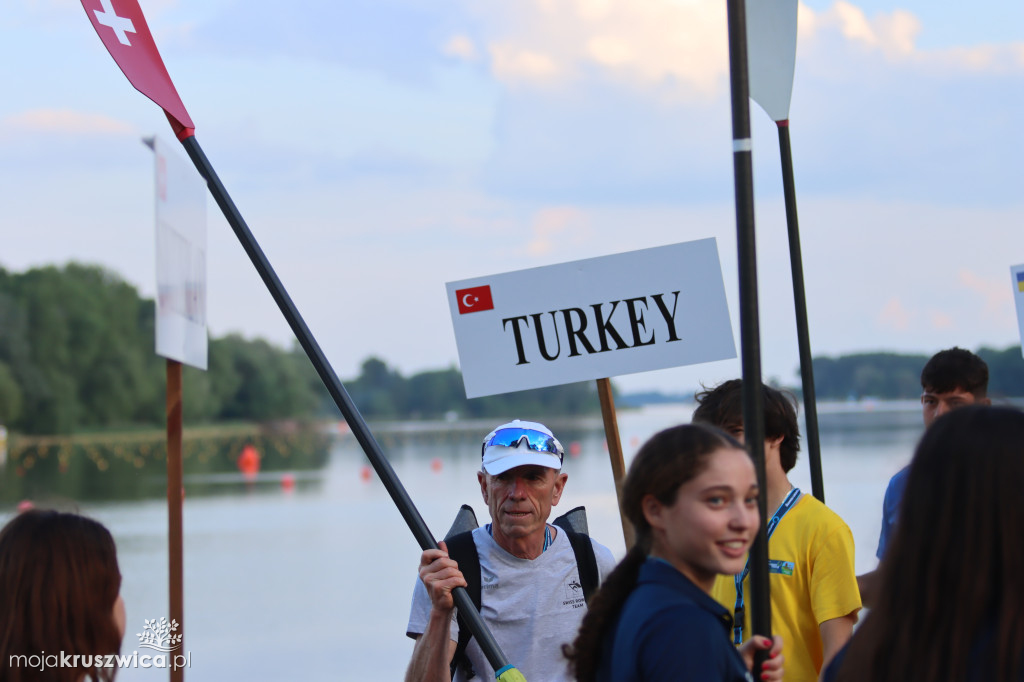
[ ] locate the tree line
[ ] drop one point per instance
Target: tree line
(77, 353)
(895, 376)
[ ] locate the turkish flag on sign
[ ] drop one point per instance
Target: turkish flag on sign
(474, 299)
(125, 34)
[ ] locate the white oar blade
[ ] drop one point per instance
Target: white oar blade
(771, 49)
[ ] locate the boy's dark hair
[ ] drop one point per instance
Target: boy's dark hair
(722, 406)
(955, 369)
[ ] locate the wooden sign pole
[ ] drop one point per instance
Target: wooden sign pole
(611, 433)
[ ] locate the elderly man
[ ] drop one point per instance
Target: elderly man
(530, 599)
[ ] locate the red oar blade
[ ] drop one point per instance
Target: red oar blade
(124, 32)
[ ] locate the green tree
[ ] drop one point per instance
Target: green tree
(10, 396)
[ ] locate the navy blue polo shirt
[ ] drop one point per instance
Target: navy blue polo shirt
(670, 629)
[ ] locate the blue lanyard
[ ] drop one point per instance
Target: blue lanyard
(547, 536)
(737, 626)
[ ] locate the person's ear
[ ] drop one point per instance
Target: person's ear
(556, 492)
(482, 478)
(653, 511)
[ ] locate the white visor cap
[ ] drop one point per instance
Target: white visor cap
(497, 459)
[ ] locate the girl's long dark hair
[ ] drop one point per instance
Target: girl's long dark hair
(951, 597)
(664, 463)
(59, 581)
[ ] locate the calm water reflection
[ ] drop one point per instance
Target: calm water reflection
(312, 582)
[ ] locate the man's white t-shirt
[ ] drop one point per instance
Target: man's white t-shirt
(531, 606)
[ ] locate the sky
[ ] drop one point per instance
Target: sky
(381, 148)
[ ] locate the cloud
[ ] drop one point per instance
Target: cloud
(647, 42)
(64, 121)
(894, 35)
(549, 224)
(996, 295)
(941, 320)
(511, 63)
(460, 46)
(895, 316)
(650, 43)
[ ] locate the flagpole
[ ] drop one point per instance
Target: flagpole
(800, 305)
(753, 395)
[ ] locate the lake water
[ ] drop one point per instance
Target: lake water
(313, 582)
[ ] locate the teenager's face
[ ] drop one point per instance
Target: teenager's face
(520, 499)
(710, 526)
(772, 446)
(934, 405)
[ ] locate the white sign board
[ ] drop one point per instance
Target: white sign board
(1017, 278)
(591, 319)
(180, 259)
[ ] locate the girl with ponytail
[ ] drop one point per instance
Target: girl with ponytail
(691, 495)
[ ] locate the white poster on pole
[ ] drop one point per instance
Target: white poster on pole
(180, 259)
(1017, 279)
(591, 319)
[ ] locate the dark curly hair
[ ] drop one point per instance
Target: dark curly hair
(953, 369)
(722, 406)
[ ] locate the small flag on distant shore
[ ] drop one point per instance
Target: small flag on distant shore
(1017, 277)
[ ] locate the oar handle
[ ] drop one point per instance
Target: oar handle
(803, 333)
(750, 333)
(337, 390)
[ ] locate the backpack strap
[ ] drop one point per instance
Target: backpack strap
(583, 548)
(462, 549)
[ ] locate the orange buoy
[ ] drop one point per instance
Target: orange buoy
(249, 461)
(288, 482)
(575, 448)
(365, 473)
(436, 464)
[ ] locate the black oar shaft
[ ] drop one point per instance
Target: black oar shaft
(341, 397)
(800, 304)
(753, 395)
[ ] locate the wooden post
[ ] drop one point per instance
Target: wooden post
(611, 434)
(175, 492)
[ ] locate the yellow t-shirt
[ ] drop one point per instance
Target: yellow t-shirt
(812, 580)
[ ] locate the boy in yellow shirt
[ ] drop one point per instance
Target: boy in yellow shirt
(814, 596)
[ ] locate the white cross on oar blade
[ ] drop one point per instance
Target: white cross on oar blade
(108, 17)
